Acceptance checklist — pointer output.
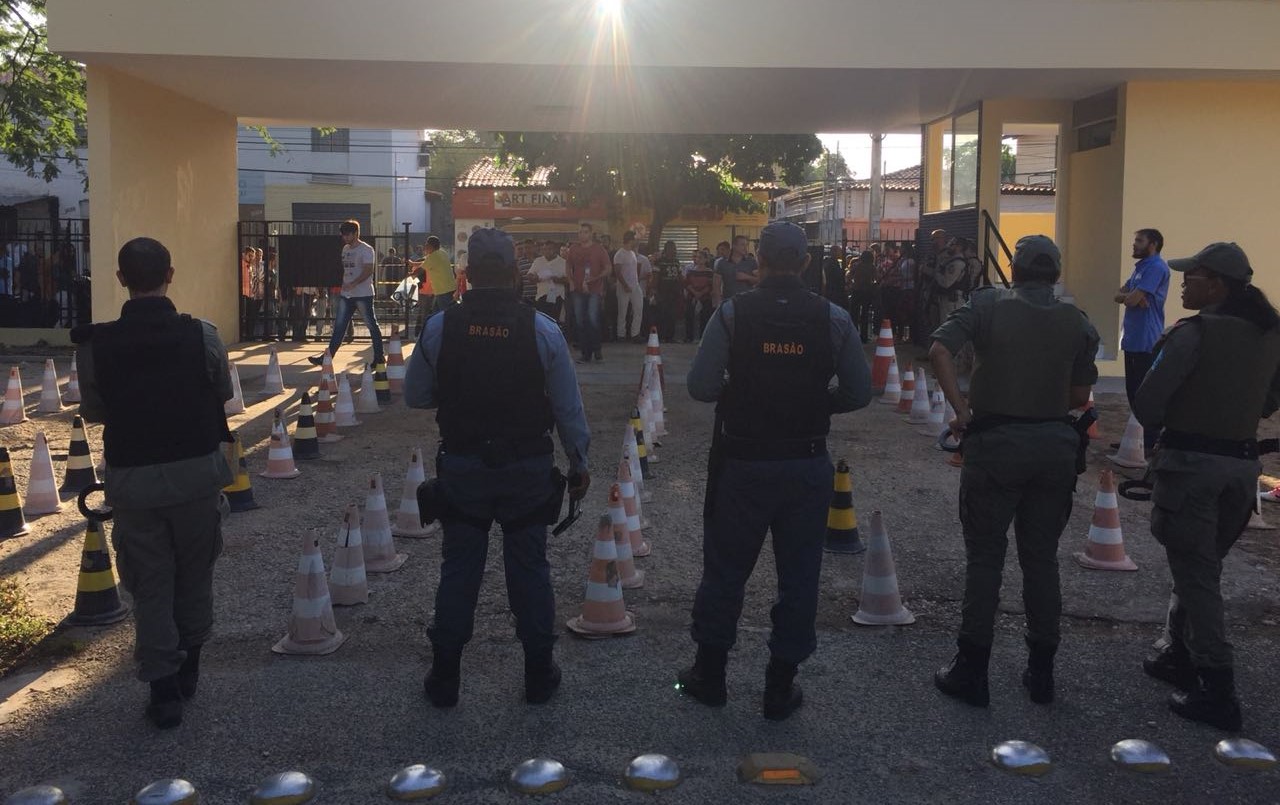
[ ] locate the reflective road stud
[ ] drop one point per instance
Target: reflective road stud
(1021, 757)
(1242, 753)
(539, 775)
(1136, 754)
(652, 773)
(286, 788)
(167, 792)
(416, 782)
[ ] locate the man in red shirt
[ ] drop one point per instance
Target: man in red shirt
(588, 264)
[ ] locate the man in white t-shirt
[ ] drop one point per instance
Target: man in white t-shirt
(629, 291)
(549, 270)
(358, 260)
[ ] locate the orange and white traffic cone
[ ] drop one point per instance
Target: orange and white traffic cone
(395, 361)
(240, 491)
(280, 454)
(640, 547)
(653, 355)
(13, 411)
(312, 629)
(842, 518)
(884, 352)
(235, 405)
(1131, 454)
(627, 483)
(97, 595)
(619, 522)
(306, 444)
(326, 425)
(327, 376)
(273, 383)
(880, 604)
(919, 414)
(937, 415)
(908, 391)
(50, 396)
(408, 516)
(72, 394)
(344, 410)
(348, 584)
(79, 472)
(12, 523)
(367, 401)
(42, 489)
(379, 548)
(604, 613)
(381, 386)
(1105, 548)
(892, 385)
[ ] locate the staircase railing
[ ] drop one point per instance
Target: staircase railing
(990, 259)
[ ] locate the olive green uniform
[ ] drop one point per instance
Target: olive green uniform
(1212, 379)
(1020, 453)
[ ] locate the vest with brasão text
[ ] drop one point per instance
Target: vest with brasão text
(1224, 395)
(1025, 355)
(780, 362)
(149, 366)
(492, 387)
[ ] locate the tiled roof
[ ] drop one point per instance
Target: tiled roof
(907, 180)
(488, 173)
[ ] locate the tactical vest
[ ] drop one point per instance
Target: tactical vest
(1025, 356)
(1224, 395)
(161, 405)
(492, 388)
(780, 362)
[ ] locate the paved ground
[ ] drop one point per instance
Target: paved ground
(873, 722)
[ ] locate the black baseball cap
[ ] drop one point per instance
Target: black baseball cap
(1223, 258)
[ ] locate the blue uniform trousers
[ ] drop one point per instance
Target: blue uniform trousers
(482, 494)
(789, 498)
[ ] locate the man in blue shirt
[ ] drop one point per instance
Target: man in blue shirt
(500, 377)
(1143, 299)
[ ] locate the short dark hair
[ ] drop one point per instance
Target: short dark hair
(433, 241)
(628, 236)
(1153, 236)
(587, 226)
(144, 263)
(722, 243)
(350, 227)
(1042, 268)
(737, 238)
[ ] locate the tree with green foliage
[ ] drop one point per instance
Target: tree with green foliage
(829, 164)
(663, 172)
(42, 95)
(452, 152)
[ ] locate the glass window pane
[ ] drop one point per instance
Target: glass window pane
(964, 166)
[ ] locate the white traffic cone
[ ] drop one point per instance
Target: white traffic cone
(367, 402)
(893, 385)
(920, 403)
(1131, 453)
(344, 410)
(879, 603)
(379, 548)
(235, 405)
(73, 383)
(273, 383)
(408, 516)
(312, 629)
(348, 584)
(50, 396)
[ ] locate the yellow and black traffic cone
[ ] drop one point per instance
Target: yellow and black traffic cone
(97, 598)
(638, 426)
(305, 443)
(842, 520)
(80, 471)
(240, 492)
(12, 523)
(381, 385)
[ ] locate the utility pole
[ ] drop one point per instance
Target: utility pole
(877, 189)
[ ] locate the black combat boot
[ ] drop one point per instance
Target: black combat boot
(965, 678)
(1212, 702)
(782, 696)
(165, 708)
(1173, 665)
(541, 677)
(705, 680)
(1038, 678)
(189, 673)
(441, 684)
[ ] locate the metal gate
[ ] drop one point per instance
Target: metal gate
(44, 272)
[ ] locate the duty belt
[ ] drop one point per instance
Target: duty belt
(1195, 443)
(500, 452)
(773, 449)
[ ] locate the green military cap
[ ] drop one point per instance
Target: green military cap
(1226, 259)
(1032, 246)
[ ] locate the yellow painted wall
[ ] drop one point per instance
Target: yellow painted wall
(163, 166)
(1014, 225)
(1201, 163)
(279, 200)
(1092, 259)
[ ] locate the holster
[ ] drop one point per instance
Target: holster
(1081, 424)
(549, 512)
(432, 505)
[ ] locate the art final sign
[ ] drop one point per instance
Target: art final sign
(531, 200)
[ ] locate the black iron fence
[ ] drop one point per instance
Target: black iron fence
(290, 274)
(44, 272)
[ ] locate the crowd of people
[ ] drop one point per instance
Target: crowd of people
(43, 284)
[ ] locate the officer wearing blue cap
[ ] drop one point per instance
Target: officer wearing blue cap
(500, 377)
(1034, 362)
(766, 360)
(1214, 375)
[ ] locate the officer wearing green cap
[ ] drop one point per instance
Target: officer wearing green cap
(1214, 375)
(1034, 362)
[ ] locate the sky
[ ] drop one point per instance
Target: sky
(898, 151)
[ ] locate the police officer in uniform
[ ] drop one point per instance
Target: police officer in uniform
(500, 377)
(1034, 363)
(1215, 374)
(769, 470)
(158, 380)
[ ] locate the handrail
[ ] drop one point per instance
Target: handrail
(989, 258)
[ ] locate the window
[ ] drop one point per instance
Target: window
(336, 141)
(951, 174)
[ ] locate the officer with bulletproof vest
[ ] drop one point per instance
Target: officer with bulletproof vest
(766, 359)
(500, 377)
(1214, 375)
(1022, 453)
(158, 380)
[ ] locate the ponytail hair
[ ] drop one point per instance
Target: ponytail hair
(1248, 302)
